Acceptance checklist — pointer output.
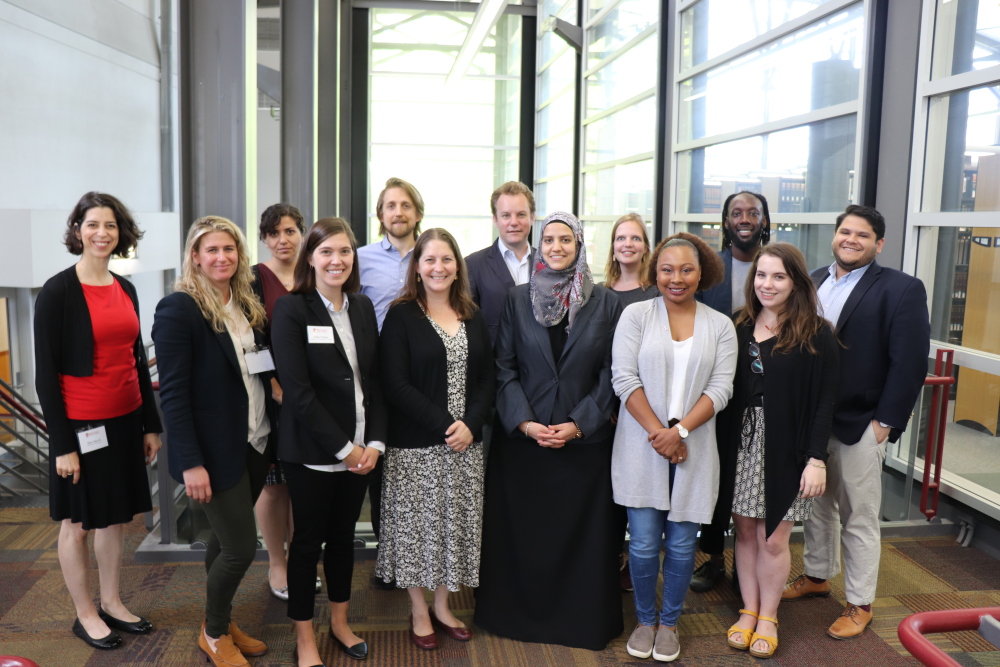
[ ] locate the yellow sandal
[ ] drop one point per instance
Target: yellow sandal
(772, 642)
(746, 632)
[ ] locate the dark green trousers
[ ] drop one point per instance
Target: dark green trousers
(233, 543)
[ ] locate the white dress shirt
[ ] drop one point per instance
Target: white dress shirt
(519, 269)
(833, 293)
(342, 323)
(258, 426)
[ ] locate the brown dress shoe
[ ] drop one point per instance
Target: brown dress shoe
(803, 587)
(851, 623)
(246, 644)
(225, 654)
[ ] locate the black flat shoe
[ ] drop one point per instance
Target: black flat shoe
(295, 658)
(112, 641)
(359, 651)
(140, 627)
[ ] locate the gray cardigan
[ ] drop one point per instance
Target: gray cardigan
(642, 356)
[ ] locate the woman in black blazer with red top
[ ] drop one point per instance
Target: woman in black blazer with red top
(333, 423)
(91, 371)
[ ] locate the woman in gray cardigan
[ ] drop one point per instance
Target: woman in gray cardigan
(673, 362)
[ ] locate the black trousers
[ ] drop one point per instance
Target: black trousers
(713, 535)
(325, 508)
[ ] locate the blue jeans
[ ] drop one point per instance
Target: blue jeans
(647, 526)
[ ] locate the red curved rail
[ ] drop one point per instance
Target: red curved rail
(913, 628)
(23, 410)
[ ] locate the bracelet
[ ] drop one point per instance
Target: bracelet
(526, 426)
(816, 465)
(579, 433)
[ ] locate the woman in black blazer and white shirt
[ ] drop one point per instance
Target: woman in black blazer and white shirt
(214, 382)
(333, 423)
(437, 371)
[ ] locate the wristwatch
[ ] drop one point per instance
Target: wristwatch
(683, 431)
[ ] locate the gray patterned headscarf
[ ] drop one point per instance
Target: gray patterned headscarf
(554, 293)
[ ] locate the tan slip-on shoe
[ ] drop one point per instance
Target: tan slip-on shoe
(225, 654)
(803, 587)
(851, 623)
(246, 644)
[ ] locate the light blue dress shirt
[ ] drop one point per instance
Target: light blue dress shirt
(383, 273)
(833, 293)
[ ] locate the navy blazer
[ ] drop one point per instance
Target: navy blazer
(534, 386)
(318, 408)
(720, 297)
(202, 395)
(490, 280)
(886, 333)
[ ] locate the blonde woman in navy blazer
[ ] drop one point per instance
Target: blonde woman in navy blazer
(332, 426)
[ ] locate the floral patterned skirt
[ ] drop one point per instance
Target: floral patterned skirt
(432, 517)
(748, 499)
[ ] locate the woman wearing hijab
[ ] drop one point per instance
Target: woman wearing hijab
(549, 570)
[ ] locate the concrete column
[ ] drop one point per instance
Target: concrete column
(218, 102)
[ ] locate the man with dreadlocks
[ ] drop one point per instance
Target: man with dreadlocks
(746, 227)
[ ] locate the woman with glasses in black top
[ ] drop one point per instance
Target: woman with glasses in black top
(786, 379)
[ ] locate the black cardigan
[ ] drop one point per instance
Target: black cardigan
(64, 345)
(318, 412)
(415, 378)
(800, 390)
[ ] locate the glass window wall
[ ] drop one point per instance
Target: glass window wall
(966, 37)
(555, 135)
(455, 143)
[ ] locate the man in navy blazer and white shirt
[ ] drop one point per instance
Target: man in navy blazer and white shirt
(882, 321)
(495, 269)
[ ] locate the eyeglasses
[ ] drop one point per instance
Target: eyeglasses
(757, 366)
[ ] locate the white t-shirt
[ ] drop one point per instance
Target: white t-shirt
(682, 353)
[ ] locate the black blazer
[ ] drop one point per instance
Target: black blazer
(64, 345)
(489, 279)
(202, 395)
(886, 333)
(415, 378)
(532, 385)
(720, 297)
(800, 389)
(318, 409)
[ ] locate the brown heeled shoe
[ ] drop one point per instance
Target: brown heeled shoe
(462, 633)
(426, 642)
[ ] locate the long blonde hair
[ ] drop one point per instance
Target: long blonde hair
(613, 270)
(193, 282)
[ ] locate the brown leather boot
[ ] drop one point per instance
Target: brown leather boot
(225, 654)
(803, 587)
(851, 623)
(246, 644)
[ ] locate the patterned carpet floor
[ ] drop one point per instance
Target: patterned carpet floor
(36, 613)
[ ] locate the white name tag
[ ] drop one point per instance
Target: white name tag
(320, 335)
(92, 440)
(259, 361)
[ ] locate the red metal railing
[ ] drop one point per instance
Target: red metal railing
(14, 403)
(913, 628)
(941, 381)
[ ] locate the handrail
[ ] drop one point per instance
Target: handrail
(912, 629)
(20, 399)
(941, 381)
(17, 405)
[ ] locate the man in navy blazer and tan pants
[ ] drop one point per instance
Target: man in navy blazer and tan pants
(882, 321)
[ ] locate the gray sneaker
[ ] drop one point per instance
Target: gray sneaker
(640, 643)
(667, 646)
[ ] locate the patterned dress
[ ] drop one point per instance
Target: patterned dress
(432, 500)
(748, 499)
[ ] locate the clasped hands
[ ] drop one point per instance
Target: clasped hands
(554, 436)
(668, 443)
